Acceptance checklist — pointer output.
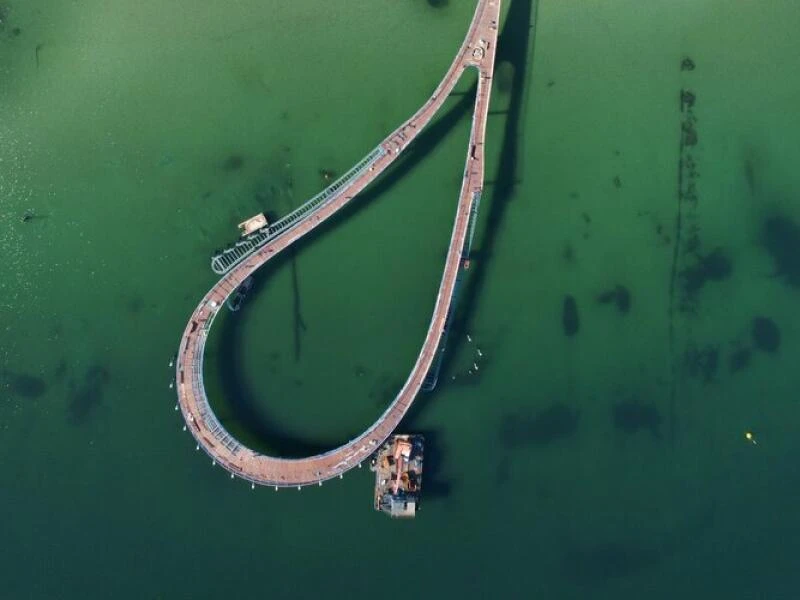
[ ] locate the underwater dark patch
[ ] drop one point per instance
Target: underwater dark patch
(97, 375)
(766, 335)
(233, 163)
(739, 360)
(84, 398)
(568, 253)
(25, 386)
(61, 370)
(438, 3)
(588, 565)
(556, 422)
(619, 295)
(781, 239)
(569, 316)
(702, 361)
(631, 416)
(135, 304)
(715, 266)
(750, 175)
(502, 472)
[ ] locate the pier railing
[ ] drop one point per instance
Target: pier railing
(230, 257)
(432, 376)
(212, 424)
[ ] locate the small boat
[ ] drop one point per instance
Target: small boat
(235, 301)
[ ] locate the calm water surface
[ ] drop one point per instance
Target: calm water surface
(610, 463)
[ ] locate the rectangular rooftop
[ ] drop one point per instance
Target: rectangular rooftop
(398, 475)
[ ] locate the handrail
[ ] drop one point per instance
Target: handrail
(477, 51)
(226, 260)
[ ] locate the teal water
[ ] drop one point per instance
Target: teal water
(122, 128)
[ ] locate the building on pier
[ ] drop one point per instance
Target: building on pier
(398, 475)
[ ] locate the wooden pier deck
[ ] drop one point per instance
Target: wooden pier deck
(477, 51)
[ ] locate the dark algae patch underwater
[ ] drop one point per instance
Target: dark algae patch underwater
(766, 335)
(714, 266)
(569, 316)
(781, 239)
(23, 385)
(739, 359)
(619, 295)
(550, 424)
(631, 416)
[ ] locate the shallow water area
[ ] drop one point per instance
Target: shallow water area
(611, 462)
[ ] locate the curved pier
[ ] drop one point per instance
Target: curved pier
(477, 51)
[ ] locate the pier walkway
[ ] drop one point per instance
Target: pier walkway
(477, 51)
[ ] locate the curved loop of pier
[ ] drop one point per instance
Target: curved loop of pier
(477, 51)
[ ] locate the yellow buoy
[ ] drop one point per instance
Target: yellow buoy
(750, 437)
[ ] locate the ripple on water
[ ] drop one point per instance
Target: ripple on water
(16, 196)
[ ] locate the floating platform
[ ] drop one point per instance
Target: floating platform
(398, 475)
(253, 224)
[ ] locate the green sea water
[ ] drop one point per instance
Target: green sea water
(611, 463)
